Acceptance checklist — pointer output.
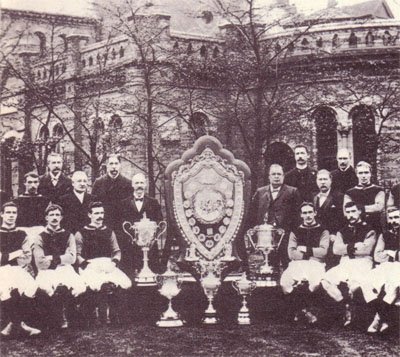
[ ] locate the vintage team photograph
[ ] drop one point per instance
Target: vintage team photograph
(200, 178)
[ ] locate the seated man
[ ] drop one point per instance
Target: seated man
(381, 286)
(17, 286)
(98, 256)
(354, 243)
(55, 252)
(307, 249)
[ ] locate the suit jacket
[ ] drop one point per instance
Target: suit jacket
(284, 210)
(54, 193)
(304, 180)
(330, 214)
(75, 212)
(111, 193)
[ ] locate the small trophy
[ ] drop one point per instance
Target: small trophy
(169, 285)
(244, 287)
(191, 253)
(210, 283)
(143, 233)
(228, 257)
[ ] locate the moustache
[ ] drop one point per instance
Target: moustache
(100, 219)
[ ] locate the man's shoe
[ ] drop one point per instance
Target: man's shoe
(384, 327)
(7, 330)
(64, 321)
(30, 330)
(374, 327)
(311, 318)
(348, 315)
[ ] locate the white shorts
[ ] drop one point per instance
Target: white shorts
(302, 270)
(350, 271)
(14, 277)
(385, 275)
(103, 270)
(64, 275)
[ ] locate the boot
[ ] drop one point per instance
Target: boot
(7, 330)
(64, 321)
(375, 325)
(30, 330)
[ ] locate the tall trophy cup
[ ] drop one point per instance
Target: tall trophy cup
(210, 283)
(244, 287)
(143, 233)
(169, 285)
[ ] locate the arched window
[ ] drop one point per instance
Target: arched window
(335, 40)
(365, 141)
(44, 133)
(369, 39)
(189, 48)
(353, 39)
(113, 54)
(116, 122)
(58, 131)
(279, 153)
(320, 42)
(199, 123)
(203, 51)
(90, 61)
(326, 125)
(304, 42)
(387, 38)
(121, 52)
(216, 52)
(42, 43)
(83, 63)
(64, 42)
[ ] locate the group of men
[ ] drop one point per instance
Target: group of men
(336, 237)
(65, 248)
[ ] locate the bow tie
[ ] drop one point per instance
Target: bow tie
(275, 190)
(138, 199)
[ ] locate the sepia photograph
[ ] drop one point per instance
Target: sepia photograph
(200, 178)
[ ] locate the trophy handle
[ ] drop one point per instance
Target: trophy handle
(159, 280)
(163, 227)
(128, 225)
(249, 239)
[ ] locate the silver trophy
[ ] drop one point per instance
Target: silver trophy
(210, 283)
(244, 287)
(143, 233)
(169, 285)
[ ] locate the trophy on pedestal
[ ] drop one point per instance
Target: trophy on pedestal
(143, 233)
(210, 283)
(244, 287)
(169, 285)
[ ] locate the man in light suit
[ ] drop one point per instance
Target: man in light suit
(277, 204)
(111, 189)
(54, 184)
(76, 204)
(133, 210)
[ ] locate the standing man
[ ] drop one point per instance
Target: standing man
(302, 176)
(370, 197)
(98, 256)
(55, 252)
(17, 286)
(328, 203)
(111, 189)
(344, 177)
(133, 210)
(76, 203)
(354, 243)
(31, 205)
(394, 197)
(54, 184)
(307, 249)
(276, 204)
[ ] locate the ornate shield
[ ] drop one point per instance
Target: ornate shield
(207, 193)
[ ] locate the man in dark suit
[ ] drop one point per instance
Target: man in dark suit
(277, 204)
(328, 203)
(111, 189)
(76, 204)
(54, 184)
(31, 205)
(133, 210)
(344, 177)
(302, 176)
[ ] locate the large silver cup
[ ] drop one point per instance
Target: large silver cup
(244, 288)
(143, 233)
(210, 283)
(169, 285)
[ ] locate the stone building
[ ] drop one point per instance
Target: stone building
(77, 85)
